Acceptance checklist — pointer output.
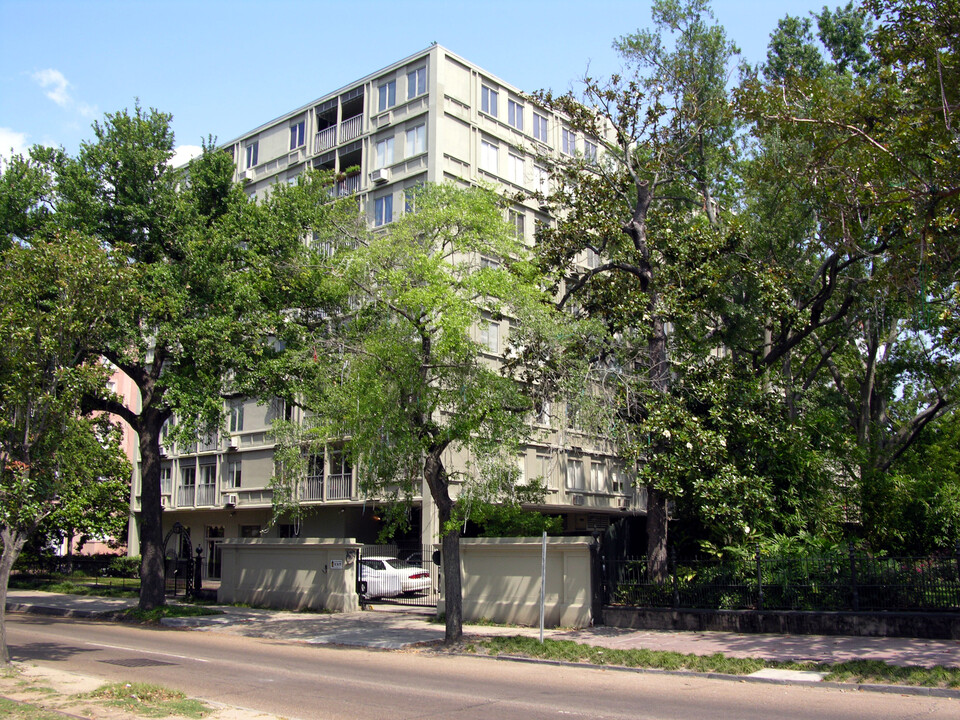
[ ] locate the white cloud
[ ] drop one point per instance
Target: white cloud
(57, 83)
(182, 154)
(12, 140)
(58, 89)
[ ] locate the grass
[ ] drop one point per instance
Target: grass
(149, 700)
(25, 711)
(857, 671)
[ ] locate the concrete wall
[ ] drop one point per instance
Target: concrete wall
(292, 574)
(501, 581)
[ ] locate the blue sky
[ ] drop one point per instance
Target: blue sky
(223, 68)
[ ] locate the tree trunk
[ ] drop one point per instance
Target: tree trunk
(13, 543)
(152, 588)
(436, 477)
(657, 525)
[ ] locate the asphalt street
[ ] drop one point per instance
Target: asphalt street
(303, 681)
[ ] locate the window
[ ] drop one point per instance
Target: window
(297, 134)
(416, 82)
(575, 475)
(340, 463)
(287, 531)
(543, 418)
(166, 480)
(488, 100)
(206, 493)
(416, 140)
(541, 178)
(489, 157)
(234, 473)
(568, 144)
(188, 486)
(522, 478)
(410, 200)
(598, 477)
(515, 114)
(540, 127)
(387, 96)
(543, 468)
(515, 168)
(589, 151)
(383, 210)
(236, 416)
(490, 335)
(253, 154)
(249, 531)
(384, 153)
(489, 263)
(517, 222)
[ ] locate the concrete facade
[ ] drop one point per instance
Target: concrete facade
(430, 117)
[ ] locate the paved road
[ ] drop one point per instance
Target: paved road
(305, 681)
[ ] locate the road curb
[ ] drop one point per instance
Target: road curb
(55, 611)
(860, 687)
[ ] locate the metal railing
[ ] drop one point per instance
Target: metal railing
(325, 139)
(313, 488)
(186, 495)
(840, 582)
(207, 495)
(351, 128)
(338, 487)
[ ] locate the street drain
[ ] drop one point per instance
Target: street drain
(137, 662)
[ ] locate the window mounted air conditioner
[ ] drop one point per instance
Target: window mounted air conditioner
(380, 176)
(578, 500)
(230, 499)
(164, 502)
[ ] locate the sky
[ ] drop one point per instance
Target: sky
(223, 68)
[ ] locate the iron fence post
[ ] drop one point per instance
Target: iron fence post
(673, 573)
(956, 553)
(855, 595)
(759, 579)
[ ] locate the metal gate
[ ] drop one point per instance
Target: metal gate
(398, 574)
(181, 570)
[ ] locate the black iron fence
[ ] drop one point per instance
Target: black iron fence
(110, 572)
(398, 574)
(848, 581)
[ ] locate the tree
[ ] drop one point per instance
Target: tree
(408, 374)
(58, 468)
(650, 209)
(209, 277)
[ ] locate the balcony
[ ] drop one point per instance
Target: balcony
(312, 488)
(345, 187)
(326, 139)
(339, 487)
(351, 128)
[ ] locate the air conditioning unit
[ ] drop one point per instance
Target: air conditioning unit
(163, 451)
(380, 176)
(249, 174)
(230, 443)
(623, 503)
(230, 499)
(578, 500)
(164, 502)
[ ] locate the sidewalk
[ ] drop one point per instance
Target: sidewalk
(393, 630)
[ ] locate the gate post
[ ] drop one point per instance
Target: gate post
(197, 582)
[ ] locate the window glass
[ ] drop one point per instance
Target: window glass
(253, 154)
(488, 100)
(387, 95)
(383, 210)
(416, 82)
(416, 140)
(540, 127)
(490, 335)
(384, 153)
(236, 416)
(515, 114)
(297, 134)
(574, 475)
(589, 151)
(515, 168)
(568, 142)
(489, 156)
(518, 222)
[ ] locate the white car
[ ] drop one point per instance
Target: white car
(389, 577)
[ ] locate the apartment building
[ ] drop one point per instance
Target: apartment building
(431, 117)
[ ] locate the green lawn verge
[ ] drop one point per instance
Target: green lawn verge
(102, 587)
(165, 611)
(152, 701)
(858, 671)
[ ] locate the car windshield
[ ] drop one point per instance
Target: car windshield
(400, 564)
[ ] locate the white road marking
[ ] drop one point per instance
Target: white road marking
(147, 652)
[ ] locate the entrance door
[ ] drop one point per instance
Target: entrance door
(213, 538)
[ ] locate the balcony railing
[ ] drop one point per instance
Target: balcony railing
(345, 187)
(339, 487)
(350, 129)
(313, 488)
(326, 139)
(207, 495)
